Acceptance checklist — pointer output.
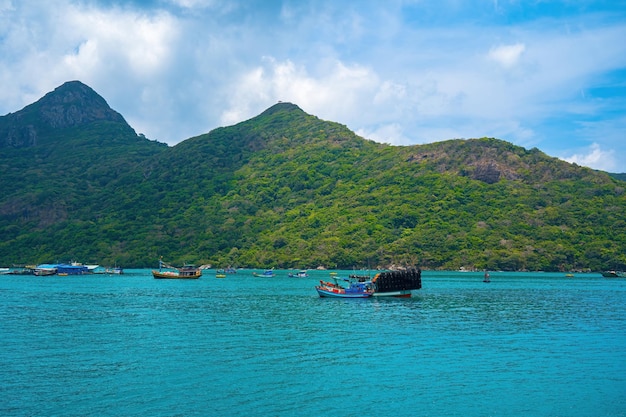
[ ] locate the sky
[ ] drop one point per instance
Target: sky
(537, 73)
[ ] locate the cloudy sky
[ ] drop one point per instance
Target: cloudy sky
(549, 74)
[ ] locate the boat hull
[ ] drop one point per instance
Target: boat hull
(175, 275)
(330, 293)
(396, 294)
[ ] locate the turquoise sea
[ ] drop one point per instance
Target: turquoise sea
(526, 344)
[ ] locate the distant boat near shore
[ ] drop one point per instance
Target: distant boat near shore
(171, 272)
(614, 274)
(268, 273)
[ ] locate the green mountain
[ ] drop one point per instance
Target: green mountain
(286, 189)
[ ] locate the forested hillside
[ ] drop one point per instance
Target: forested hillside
(286, 189)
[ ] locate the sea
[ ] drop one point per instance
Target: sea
(524, 344)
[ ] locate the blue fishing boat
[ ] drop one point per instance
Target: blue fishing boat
(268, 273)
(355, 289)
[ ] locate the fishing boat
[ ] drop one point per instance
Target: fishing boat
(614, 274)
(268, 273)
(487, 278)
(171, 272)
(300, 274)
(45, 269)
(220, 273)
(5, 271)
(355, 289)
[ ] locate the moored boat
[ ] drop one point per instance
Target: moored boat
(268, 273)
(355, 289)
(220, 273)
(614, 274)
(5, 271)
(45, 269)
(300, 274)
(171, 272)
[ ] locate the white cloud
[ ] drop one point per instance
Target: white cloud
(178, 68)
(597, 158)
(129, 41)
(507, 55)
(392, 134)
(338, 93)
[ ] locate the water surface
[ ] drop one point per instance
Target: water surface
(525, 344)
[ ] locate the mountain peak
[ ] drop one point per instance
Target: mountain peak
(73, 104)
(281, 107)
(69, 105)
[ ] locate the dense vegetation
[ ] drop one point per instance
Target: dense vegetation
(286, 189)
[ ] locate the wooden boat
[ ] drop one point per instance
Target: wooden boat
(171, 272)
(220, 273)
(45, 269)
(355, 289)
(300, 274)
(268, 273)
(399, 284)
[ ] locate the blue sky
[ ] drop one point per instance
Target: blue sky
(544, 74)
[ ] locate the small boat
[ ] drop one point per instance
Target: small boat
(43, 270)
(300, 274)
(268, 273)
(355, 289)
(90, 268)
(614, 274)
(28, 270)
(5, 271)
(171, 272)
(487, 278)
(220, 273)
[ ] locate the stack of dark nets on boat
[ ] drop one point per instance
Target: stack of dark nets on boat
(409, 279)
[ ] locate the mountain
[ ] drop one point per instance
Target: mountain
(56, 157)
(287, 189)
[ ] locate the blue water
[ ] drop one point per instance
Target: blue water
(130, 345)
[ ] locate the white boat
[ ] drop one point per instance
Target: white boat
(45, 269)
(4, 271)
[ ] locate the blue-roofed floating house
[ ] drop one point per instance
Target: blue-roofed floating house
(65, 269)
